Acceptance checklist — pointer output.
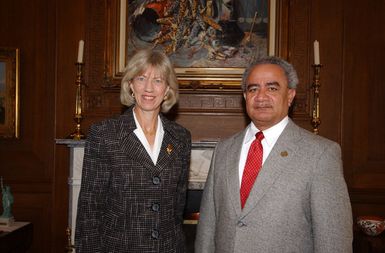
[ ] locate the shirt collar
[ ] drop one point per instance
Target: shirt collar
(271, 134)
(159, 129)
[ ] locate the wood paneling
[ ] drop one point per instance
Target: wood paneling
(327, 27)
(27, 163)
(47, 33)
(70, 28)
(364, 106)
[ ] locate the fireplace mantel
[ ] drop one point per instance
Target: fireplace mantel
(200, 161)
(74, 180)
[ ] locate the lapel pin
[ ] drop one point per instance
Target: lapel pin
(169, 149)
(284, 153)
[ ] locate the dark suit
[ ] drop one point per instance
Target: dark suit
(126, 203)
(299, 202)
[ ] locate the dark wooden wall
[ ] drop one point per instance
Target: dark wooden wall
(363, 105)
(47, 32)
(27, 163)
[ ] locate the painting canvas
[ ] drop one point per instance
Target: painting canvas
(203, 38)
(9, 100)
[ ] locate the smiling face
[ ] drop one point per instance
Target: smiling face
(149, 89)
(267, 95)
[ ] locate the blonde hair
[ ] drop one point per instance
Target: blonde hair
(138, 64)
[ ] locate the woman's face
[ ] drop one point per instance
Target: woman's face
(149, 89)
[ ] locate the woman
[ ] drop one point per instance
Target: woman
(135, 168)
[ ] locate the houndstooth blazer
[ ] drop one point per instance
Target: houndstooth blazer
(126, 203)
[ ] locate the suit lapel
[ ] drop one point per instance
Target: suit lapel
(281, 154)
(135, 150)
(129, 142)
(232, 166)
(170, 147)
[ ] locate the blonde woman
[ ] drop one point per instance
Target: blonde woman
(135, 167)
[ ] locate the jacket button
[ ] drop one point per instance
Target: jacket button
(156, 180)
(155, 207)
(155, 234)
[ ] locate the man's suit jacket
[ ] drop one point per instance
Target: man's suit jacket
(126, 203)
(299, 202)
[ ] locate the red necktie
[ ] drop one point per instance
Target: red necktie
(252, 167)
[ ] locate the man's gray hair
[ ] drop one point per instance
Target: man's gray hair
(290, 72)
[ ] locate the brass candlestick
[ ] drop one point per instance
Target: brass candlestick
(70, 247)
(77, 134)
(316, 120)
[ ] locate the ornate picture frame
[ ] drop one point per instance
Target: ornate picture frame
(9, 93)
(225, 72)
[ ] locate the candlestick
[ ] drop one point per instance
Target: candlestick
(316, 120)
(77, 134)
(70, 247)
(80, 51)
(316, 53)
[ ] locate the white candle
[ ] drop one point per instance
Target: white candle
(316, 53)
(80, 51)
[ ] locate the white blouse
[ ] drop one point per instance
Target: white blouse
(154, 152)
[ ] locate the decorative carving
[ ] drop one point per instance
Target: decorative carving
(216, 102)
(208, 85)
(301, 106)
(94, 100)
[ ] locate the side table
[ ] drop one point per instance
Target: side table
(363, 243)
(16, 238)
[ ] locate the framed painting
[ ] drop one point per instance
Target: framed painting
(9, 93)
(209, 42)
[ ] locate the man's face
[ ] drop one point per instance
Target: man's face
(267, 95)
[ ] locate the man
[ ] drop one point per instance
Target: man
(299, 200)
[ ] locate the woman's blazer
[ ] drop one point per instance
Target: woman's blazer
(126, 203)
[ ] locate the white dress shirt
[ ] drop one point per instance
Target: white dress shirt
(271, 136)
(152, 152)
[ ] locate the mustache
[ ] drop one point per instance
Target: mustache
(262, 105)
